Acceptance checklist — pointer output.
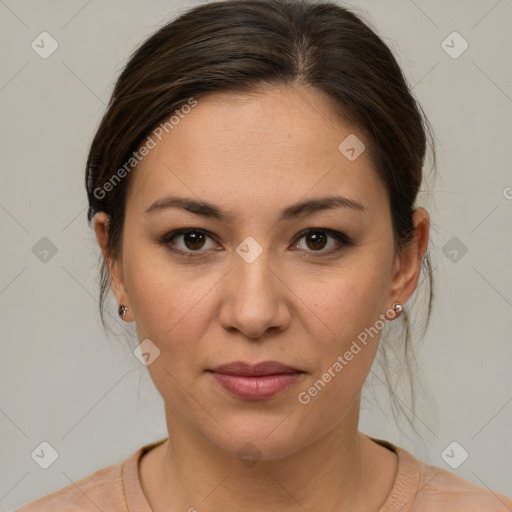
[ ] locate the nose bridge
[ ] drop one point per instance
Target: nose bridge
(253, 301)
(254, 289)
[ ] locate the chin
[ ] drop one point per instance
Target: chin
(259, 439)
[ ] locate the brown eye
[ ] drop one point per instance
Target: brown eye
(316, 240)
(194, 240)
(189, 241)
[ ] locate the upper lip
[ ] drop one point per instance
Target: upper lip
(263, 368)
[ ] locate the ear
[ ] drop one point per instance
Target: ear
(101, 227)
(408, 260)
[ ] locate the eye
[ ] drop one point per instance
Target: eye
(317, 239)
(191, 242)
(188, 241)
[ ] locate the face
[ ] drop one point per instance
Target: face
(255, 276)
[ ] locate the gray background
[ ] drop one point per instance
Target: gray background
(66, 382)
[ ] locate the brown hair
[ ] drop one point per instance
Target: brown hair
(242, 45)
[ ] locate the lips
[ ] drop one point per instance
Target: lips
(256, 382)
(260, 369)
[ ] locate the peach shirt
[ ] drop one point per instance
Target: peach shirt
(418, 487)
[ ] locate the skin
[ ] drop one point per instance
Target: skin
(253, 155)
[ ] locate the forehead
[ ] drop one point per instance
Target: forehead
(274, 145)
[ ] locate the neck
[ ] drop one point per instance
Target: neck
(338, 471)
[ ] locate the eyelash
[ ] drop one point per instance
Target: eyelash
(342, 239)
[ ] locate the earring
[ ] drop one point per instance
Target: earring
(398, 308)
(122, 311)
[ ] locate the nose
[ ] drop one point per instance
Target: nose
(255, 299)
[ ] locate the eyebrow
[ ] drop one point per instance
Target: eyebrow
(300, 209)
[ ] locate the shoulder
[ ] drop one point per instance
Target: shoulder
(441, 490)
(101, 490)
(422, 487)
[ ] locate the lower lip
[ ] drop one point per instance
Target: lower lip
(256, 388)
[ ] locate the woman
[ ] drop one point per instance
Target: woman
(253, 188)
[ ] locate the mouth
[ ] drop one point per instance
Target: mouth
(256, 382)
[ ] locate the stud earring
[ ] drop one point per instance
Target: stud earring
(398, 308)
(122, 311)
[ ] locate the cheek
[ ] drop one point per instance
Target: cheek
(348, 306)
(164, 297)
(173, 312)
(345, 351)
(176, 307)
(348, 299)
